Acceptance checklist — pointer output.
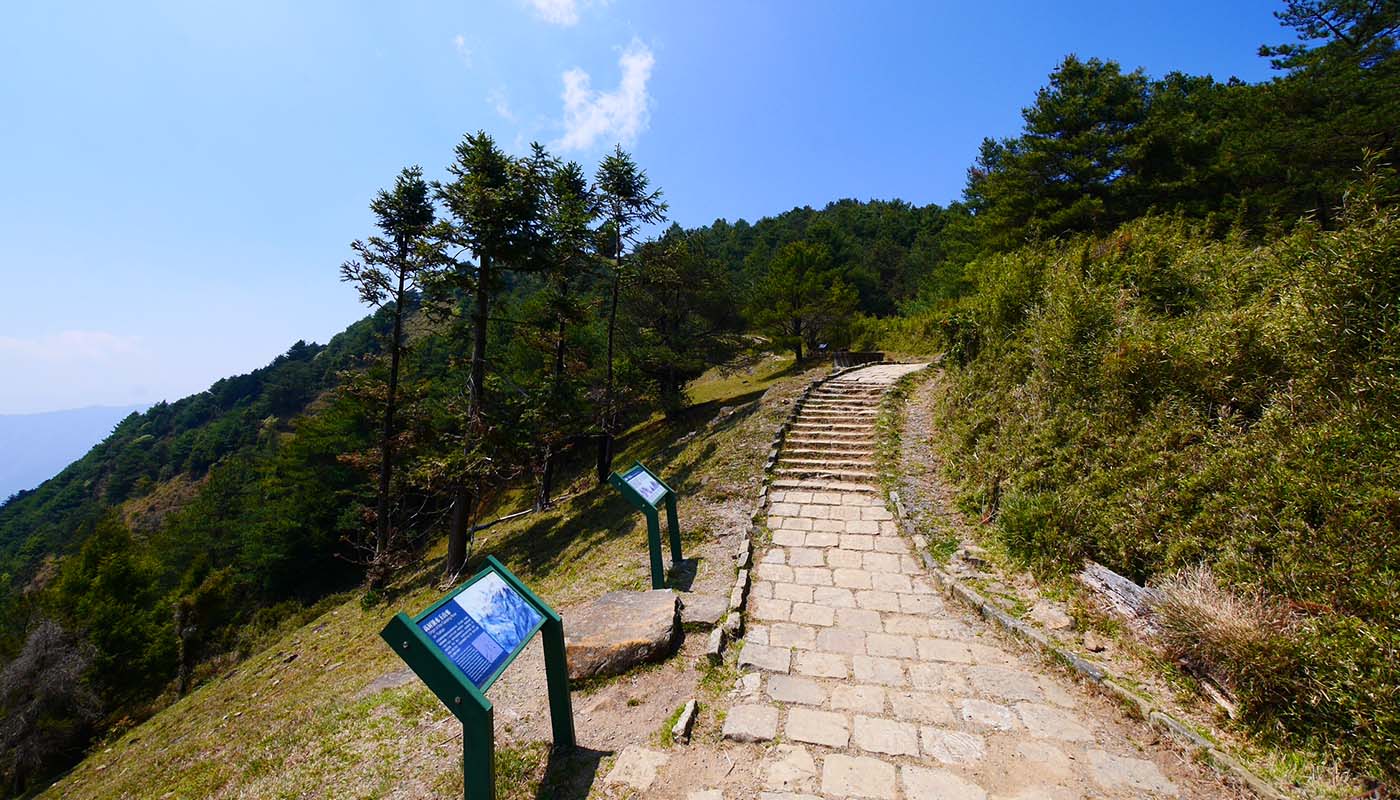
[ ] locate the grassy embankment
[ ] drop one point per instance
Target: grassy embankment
(304, 718)
(1157, 399)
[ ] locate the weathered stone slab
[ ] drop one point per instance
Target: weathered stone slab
(621, 630)
(817, 727)
(821, 665)
(703, 609)
(787, 689)
(990, 715)
(953, 747)
(751, 723)
(922, 707)
(761, 656)
(858, 776)
(1048, 722)
(865, 699)
(1113, 772)
(920, 782)
(877, 735)
(1012, 684)
(636, 767)
(789, 768)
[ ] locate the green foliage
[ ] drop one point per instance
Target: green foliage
(680, 315)
(803, 301)
(1157, 397)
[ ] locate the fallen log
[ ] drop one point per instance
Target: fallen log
(1121, 597)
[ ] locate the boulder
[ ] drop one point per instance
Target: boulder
(619, 630)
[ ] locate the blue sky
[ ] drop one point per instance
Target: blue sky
(181, 180)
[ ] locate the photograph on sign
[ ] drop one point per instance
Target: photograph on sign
(482, 626)
(643, 484)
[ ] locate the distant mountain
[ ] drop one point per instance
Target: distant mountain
(35, 447)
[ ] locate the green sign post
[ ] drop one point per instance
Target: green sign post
(648, 493)
(463, 642)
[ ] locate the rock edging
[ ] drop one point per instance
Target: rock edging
(1138, 706)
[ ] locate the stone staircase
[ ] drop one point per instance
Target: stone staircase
(831, 444)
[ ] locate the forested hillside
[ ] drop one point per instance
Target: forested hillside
(1167, 309)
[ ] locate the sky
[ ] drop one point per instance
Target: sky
(179, 182)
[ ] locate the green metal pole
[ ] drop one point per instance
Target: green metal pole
(675, 528)
(556, 673)
(658, 571)
(479, 758)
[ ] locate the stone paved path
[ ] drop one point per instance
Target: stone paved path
(859, 679)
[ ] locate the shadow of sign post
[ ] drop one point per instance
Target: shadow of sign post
(648, 493)
(461, 644)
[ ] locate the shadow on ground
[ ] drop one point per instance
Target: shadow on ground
(570, 774)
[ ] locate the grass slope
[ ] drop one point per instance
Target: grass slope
(317, 714)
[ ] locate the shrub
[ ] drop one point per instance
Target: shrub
(1159, 398)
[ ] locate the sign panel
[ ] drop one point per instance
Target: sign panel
(482, 627)
(645, 485)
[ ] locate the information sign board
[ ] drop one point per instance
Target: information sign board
(482, 627)
(645, 484)
(463, 642)
(649, 494)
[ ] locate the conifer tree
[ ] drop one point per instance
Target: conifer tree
(627, 204)
(388, 271)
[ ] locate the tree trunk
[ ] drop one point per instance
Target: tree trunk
(546, 480)
(379, 568)
(605, 442)
(797, 334)
(462, 502)
(550, 455)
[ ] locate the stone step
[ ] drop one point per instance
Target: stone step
(835, 428)
(827, 464)
(816, 484)
(832, 445)
(821, 411)
(806, 456)
(824, 403)
(851, 474)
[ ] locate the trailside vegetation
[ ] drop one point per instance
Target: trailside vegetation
(1178, 356)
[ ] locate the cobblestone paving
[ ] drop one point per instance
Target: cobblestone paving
(860, 679)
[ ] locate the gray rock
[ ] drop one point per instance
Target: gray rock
(703, 609)
(1051, 616)
(714, 648)
(620, 630)
(681, 730)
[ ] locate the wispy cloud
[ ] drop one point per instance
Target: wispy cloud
(69, 346)
(556, 12)
(499, 101)
(619, 115)
(459, 43)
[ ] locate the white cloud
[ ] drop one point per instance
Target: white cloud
(459, 43)
(619, 115)
(556, 12)
(498, 100)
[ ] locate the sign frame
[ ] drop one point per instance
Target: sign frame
(468, 703)
(652, 511)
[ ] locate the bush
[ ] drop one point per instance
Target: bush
(1160, 397)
